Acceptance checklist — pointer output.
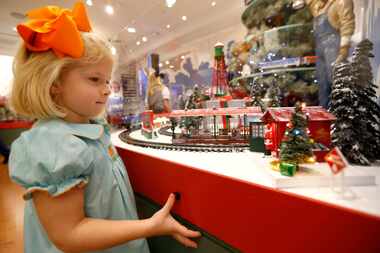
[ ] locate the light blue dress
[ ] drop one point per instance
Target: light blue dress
(55, 156)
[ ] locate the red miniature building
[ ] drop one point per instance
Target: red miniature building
(319, 125)
(147, 125)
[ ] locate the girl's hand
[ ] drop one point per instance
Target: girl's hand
(165, 224)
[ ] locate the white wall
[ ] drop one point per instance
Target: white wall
(6, 74)
(367, 19)
(202, 49)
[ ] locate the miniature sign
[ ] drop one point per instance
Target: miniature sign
(336, 160)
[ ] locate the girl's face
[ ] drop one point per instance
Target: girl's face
(83, 91)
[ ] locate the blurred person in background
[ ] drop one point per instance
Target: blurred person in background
(115, 105)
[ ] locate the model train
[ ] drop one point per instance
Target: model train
(288, 62)
(219, 126)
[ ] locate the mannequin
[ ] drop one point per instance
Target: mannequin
(334, 24)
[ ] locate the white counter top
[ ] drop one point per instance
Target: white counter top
(254, 167)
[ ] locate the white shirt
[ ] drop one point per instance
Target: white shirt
(165, 93)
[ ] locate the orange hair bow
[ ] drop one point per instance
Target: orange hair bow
(54, 28)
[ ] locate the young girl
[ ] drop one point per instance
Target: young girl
(78, 195)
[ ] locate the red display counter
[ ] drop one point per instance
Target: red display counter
(15, 124)
(251, 217)
(11, 130)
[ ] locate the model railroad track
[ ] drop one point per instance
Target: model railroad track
(124, 136)
(166, 131)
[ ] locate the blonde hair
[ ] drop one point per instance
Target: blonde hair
(35, 73)
(154, 82)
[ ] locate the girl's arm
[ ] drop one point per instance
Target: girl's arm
(67, 227)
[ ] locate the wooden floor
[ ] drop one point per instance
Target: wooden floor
(11, 214)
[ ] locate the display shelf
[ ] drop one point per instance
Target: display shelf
(255, 168)
(257, 11)
(293, 84)
(279, 38)
(274, 71)
(275, 27)
(292, 40)
(253, 4)
(232, 198)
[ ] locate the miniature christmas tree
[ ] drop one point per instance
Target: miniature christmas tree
(256, 95)
(274, 93)
(368, 108)
(357, 128)
(190, 125)
(296, 147)
(344, 105)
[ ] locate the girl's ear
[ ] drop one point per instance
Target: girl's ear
(55, 89)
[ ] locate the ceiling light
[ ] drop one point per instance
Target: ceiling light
(182, 57)
(89, 2)
(144, 39)
(109, 9)
(171, 66)
(167, 62)
(113, 50)
(168, 26)
(131, 29)
(184, 18)
(138, 43)
(170, 3)
(160, 65)
(213, 3)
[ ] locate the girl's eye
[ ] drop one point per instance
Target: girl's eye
(94, 79)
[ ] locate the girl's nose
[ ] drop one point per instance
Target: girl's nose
(107, 90)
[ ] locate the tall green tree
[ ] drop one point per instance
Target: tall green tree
(353, 101)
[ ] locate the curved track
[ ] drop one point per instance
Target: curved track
(124, 136)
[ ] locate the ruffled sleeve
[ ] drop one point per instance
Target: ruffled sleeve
(47, 161)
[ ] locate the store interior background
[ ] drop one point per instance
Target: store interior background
(188, 46)
(185, 46)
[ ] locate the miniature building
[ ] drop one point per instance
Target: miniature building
(319, 125)
(256, 132)
(234, 130)
(147, 125)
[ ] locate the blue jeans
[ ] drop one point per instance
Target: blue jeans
(327, 41)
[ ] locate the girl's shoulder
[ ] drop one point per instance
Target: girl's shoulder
(56, 137)
(54, 153)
